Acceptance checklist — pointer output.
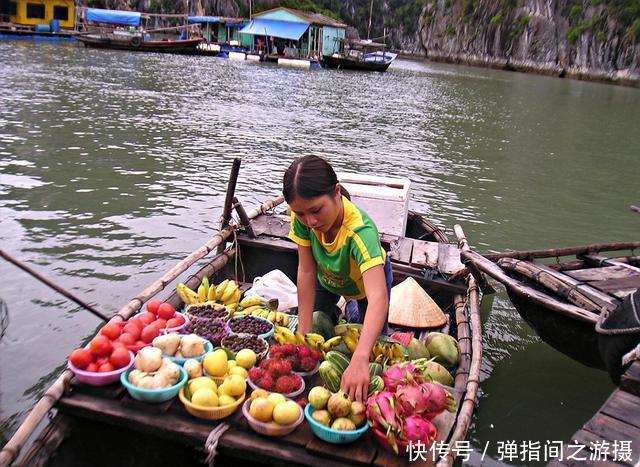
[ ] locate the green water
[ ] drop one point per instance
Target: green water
(113, 167)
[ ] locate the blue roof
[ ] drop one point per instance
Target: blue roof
(203, 19)
(280, 29)
(130, 18)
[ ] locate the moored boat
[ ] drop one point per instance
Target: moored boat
(135, 433)
(360, 55)
(571, 304)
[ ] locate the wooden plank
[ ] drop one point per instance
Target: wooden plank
(630, 380)
(597, 274)
(275, 244)
(613, 430)
(620, 294)
(589, 440)
(613, 285)
(111, 391)
(449, 259)
(425, 254)
(400, 248)
(624, 407)
(133, 404)
(362, 452)
(275, 225)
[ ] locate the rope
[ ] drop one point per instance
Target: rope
(4, 318)
(630, 356)
(212, 442)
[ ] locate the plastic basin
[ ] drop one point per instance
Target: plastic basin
(94, 378)
(270, 428)
(153, 395)
(329, 435)
(208, 347)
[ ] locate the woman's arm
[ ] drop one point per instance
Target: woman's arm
(355, 379)
(306, 288)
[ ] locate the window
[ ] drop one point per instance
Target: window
(61, 13)
(35, 10)
(13, 8)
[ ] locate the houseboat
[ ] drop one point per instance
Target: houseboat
(51, 20)
(221, 36)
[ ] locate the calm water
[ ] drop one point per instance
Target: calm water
(113, 167)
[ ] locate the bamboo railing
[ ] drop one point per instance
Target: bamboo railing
(11, 450)
(566, 251)
(472, 383)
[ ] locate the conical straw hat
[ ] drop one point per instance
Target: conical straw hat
(411, 306)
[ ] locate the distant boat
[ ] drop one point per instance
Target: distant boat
(360, 55)
(138, 42)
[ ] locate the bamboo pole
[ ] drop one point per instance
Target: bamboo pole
(11, 450)
(468, 404)
(530, 293)
(566, 251)
(244, 219)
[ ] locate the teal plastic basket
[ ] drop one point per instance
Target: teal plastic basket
(153, 395)
(329, 435)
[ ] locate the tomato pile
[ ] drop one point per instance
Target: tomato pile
(109, 350)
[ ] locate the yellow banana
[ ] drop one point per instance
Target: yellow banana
(229, 290)
(211, 294)
(272, 316)
(331, 343)
(313, 339)
(205, 283)
(187, 295)
(220, 289)
(235, 297)
(264, 313)
(254, 300)
(202, 293)
(250, 309)
(350, 343)
(286, 333)
(299, 338)
(285, 319)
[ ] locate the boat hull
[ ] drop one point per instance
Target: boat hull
(187, 46)
(346, 63)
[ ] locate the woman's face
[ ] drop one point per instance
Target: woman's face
(319, 213)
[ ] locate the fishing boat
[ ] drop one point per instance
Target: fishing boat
(128, 30)
(104, 426)
(364, 55)
(571, 304)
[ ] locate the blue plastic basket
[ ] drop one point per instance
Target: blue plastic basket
(208, 347)
(153, 395)
(265, 336)
(329, 435)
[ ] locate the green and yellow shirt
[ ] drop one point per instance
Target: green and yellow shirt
(341, 263)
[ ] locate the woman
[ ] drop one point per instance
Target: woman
(339, 254)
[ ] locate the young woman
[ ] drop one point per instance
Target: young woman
(339, 254)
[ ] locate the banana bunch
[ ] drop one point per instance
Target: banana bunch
(227, 293)
(188, 296)
(262, 311)
(283, 335)
(352, 337)
(386, 353)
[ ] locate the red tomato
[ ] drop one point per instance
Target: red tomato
(166, 311)
(153, 305)
(149, 333)
(101, 361)
(81, 358)
(91, 367)
(118, 345)
(128, 339)
(133, 330)
(161, 323)
(175, 322)
(111, 330)
(105, 367)
(141, 343)
(147, 318)
(120, 357)
(100, 346)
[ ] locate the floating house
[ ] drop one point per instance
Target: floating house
(222, 35)
(32, 19)
(293, 37)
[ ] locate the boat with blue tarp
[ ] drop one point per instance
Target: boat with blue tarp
(221, 36)
(127, 30)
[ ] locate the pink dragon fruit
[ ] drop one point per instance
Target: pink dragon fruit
(381, 413)
(412, 398)
(417, 428)
(401, 374)
(439, 400)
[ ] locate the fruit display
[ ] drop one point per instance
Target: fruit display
(219, 365)
(151, 371)
(302, 358)
(404, 410)
(276, 375)
(443, 348)
(415, 348)
(250, 325)
(257, 306)
(102, 355)
(212, 329)
(227, 293)
(180, 346)
(236, 342)
(336, 410)
(272, 414)
(334, 365)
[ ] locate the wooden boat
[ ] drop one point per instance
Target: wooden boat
(138, 43)
(360, 55)
(104, 426)
(567, 302)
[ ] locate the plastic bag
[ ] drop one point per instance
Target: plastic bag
(275, 284)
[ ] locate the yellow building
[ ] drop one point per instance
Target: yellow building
(32, 12)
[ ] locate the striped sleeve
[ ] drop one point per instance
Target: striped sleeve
(366, 249)
(298, 232)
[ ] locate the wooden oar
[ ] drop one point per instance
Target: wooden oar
(55, 287)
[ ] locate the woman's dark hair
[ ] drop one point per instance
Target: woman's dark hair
(309, 177)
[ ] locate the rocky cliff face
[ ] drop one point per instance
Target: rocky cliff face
(587, 39)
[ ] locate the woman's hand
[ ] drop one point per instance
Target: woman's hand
(355, 379)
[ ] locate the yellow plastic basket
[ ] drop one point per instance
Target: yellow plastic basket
(209, 413)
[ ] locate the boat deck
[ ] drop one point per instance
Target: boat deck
(618, 280)
(612, 435)
(112, 406)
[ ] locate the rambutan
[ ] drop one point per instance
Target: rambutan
(304, 351)
(287, 384)
(315, 355)
(288, 349)
(307, 364)
(266, 382)
(256, 373)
